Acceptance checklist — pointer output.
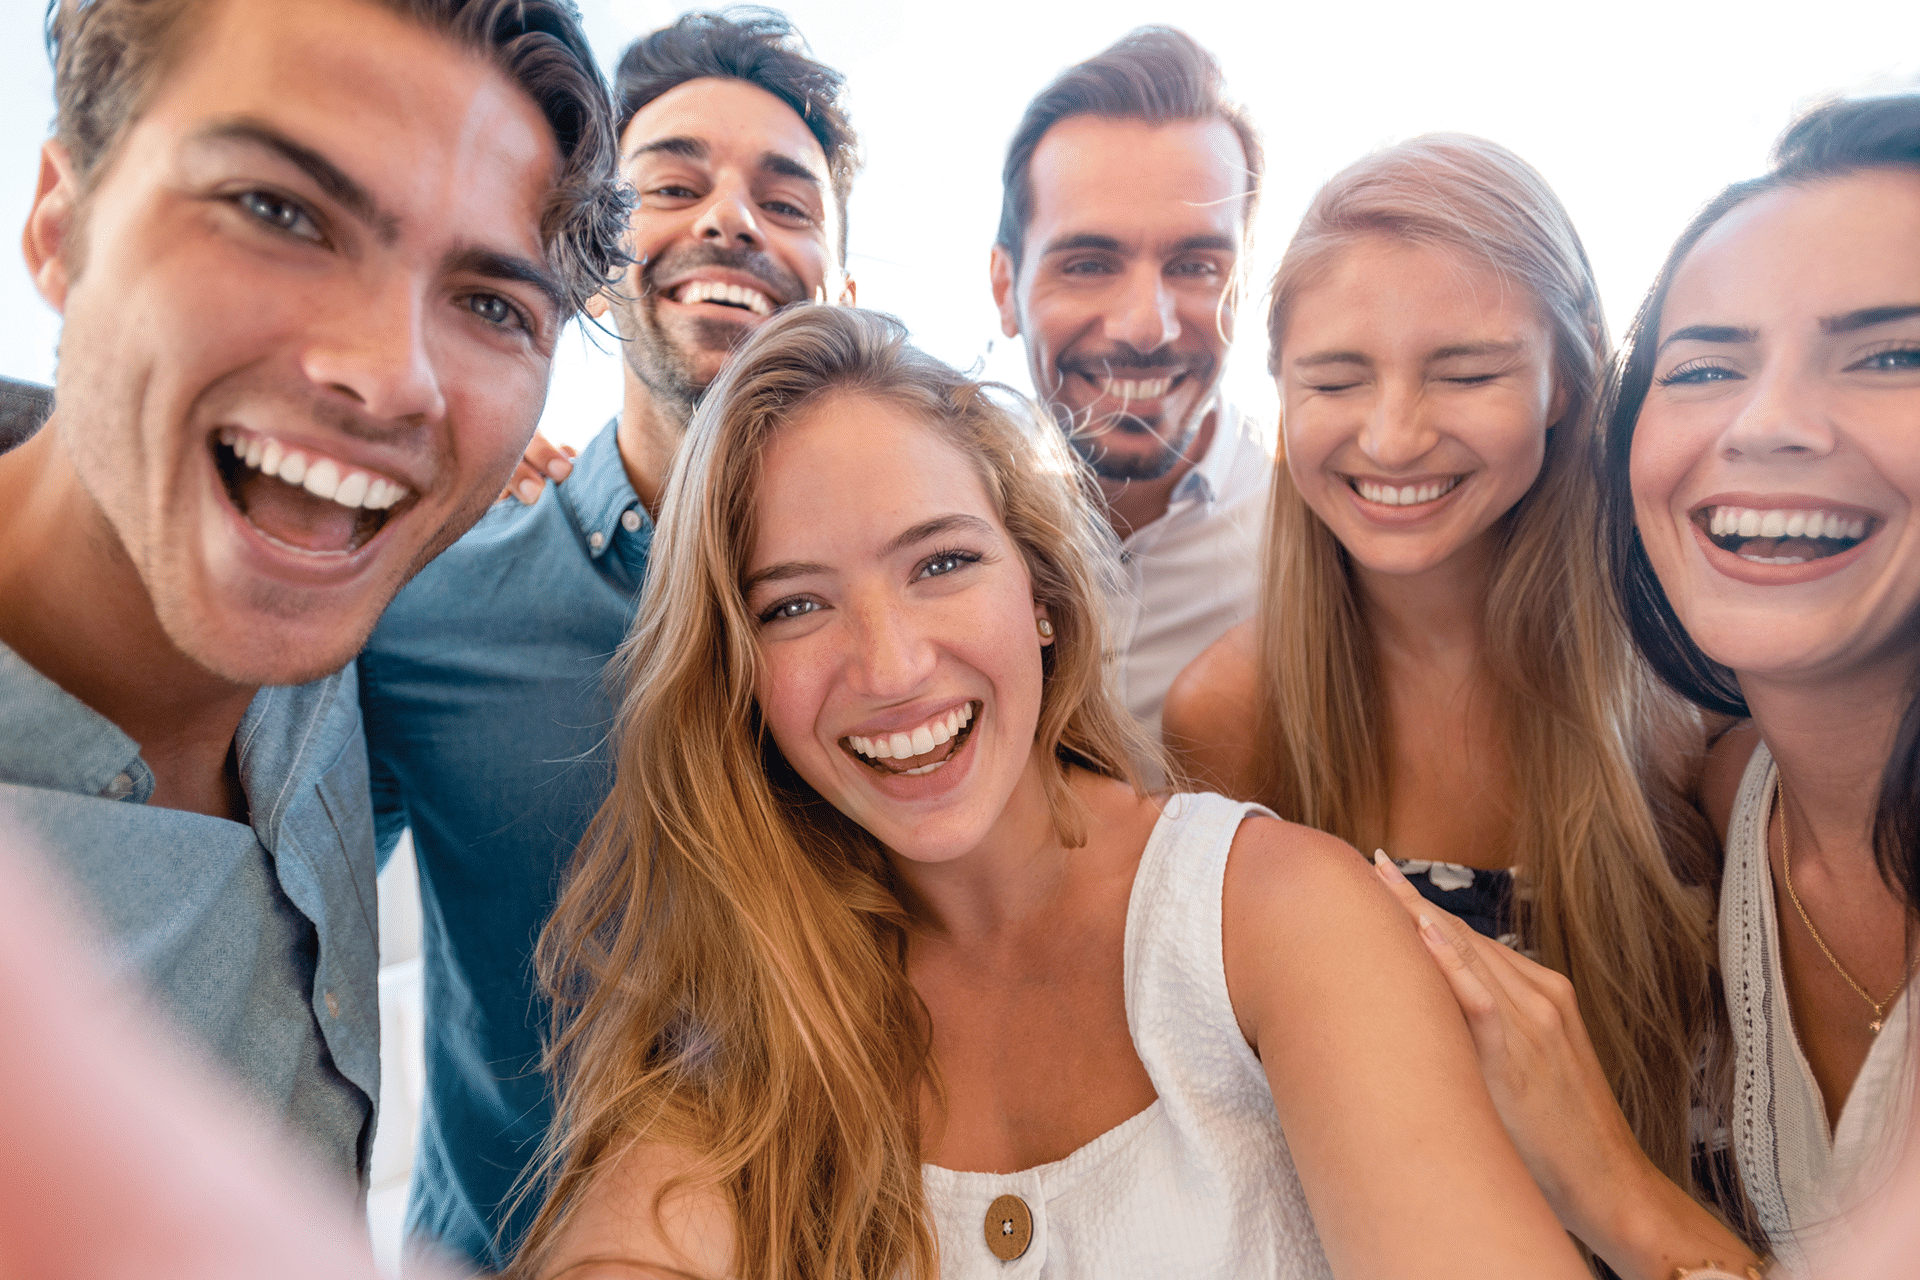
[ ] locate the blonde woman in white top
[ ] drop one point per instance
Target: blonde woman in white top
(1768, 556)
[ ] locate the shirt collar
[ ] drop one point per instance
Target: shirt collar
(51, 739)
(598, 494)
(1208, 479)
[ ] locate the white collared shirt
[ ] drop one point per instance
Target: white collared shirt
(1195, 571)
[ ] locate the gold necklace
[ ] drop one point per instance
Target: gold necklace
(1786, 866)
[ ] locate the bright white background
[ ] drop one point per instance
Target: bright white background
(1636, 111)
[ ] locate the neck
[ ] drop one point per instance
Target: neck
(1831, 740)
(1135, 504)
(74, 607)
(1008, 880)
(1432, 617)
(649, 432)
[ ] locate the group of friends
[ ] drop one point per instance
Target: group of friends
(869, 825)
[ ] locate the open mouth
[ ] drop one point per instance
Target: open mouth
(740, 297)
(1783, 536)
(1131, 390)
(301, 499)
(917, 751)
(1404, 495)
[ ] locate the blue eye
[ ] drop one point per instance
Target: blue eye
(798, 607)
(941, 563)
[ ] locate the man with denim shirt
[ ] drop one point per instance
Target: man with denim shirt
(485, 686)
(307, 323)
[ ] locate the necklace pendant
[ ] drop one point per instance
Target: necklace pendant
(1874, 1026)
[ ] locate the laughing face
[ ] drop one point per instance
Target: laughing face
(1774, 464)
(1124, 290)
(735, 219)
(308, 322)
(1418, 387)
(900, 657)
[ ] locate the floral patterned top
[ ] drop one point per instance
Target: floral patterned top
(1484, 899)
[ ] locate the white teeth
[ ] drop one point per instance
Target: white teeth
(922, 740)
(714, 291)
(1137, 388)
(902, 746)
(323, 477)
(1410, 495)
(1752, 522)
(916, 742)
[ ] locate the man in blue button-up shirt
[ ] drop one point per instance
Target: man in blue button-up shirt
(307, 324)
(487, 711)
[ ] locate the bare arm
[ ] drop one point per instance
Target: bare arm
(1404, 1161)
(1208, 721)
(615, 1233)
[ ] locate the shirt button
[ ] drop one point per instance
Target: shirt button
(333, 1006)
(120, 787)
(1009, 1228)
(596, 539)
(630, 521)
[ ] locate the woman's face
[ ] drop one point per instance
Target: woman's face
(1776, 462)
(1418, 387)
(900, 671)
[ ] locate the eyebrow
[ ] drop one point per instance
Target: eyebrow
(1321, 358)
(1109, 244)
(1866, 318)
(494, 265)
(789, 569)
(787, 167)
(688, 148)
(1709, 333)
(327, 175)
(1459, 349)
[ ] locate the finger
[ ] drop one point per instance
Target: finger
(1476, 997)
(525, 484)
(1399, 886)
(548, 459)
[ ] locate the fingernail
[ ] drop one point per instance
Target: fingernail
(1384, 865)
(559, 468)
(529, 491)
(1431, 931)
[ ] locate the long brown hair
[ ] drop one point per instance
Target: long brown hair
(1592, 739)
(727, 960)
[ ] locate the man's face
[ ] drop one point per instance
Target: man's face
(1124, 292)
(317, 252)
(735, 219)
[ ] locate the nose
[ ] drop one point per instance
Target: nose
(892, 657)
(373, 348)
(1142, 316)
(727, 219)
(1397, 432)
(1779, 418)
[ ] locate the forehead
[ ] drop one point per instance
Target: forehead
(736, 121)
(1137, 181)
(1382, 291)
(1823, 249)
(439, 136)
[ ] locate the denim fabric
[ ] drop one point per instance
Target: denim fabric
(487, 720)
(261, 942)
(23, 407)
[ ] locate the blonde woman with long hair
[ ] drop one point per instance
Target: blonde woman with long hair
(878, 962)
(1437, 667)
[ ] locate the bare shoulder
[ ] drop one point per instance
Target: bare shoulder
(624, 1229)
(1208, 721)
(1720, 779)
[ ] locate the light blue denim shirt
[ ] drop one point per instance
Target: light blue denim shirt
(259, 941)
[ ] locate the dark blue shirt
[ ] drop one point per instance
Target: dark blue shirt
(487, 720)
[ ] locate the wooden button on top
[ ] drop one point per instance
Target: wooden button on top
(1009, 1227)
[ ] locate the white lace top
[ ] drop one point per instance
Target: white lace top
(1796, 1175)
(1200, 1184)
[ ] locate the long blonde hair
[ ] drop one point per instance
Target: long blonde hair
(727, 959)
(1600, 824)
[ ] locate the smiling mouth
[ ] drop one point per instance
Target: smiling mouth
(1783, 535)
(302, 499)
(1404, 495)
(918, 751)
(736, 296)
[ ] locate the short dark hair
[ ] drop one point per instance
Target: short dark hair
(762, 48)
(1831, 141)
(109, 56)
(1156, 74)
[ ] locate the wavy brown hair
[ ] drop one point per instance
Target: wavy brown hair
(728, 958)
(1609, 852)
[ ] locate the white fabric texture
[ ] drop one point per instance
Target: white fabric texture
(1797, 1176)
(1194, 572)
(1200, 1184)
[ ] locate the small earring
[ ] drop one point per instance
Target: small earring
(1046, 627)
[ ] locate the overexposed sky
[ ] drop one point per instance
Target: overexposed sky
(1636, 110)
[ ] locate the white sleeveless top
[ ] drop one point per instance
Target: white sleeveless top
(1200, 1183)
(1797, 1176)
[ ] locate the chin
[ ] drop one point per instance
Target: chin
(258, 648)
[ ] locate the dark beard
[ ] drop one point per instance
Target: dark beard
(1126, 466)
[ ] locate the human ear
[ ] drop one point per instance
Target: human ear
(596, 306)
(849, 292)
(1000, 271)
(49, 222)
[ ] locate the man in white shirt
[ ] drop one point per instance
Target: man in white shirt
(1128, 189)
